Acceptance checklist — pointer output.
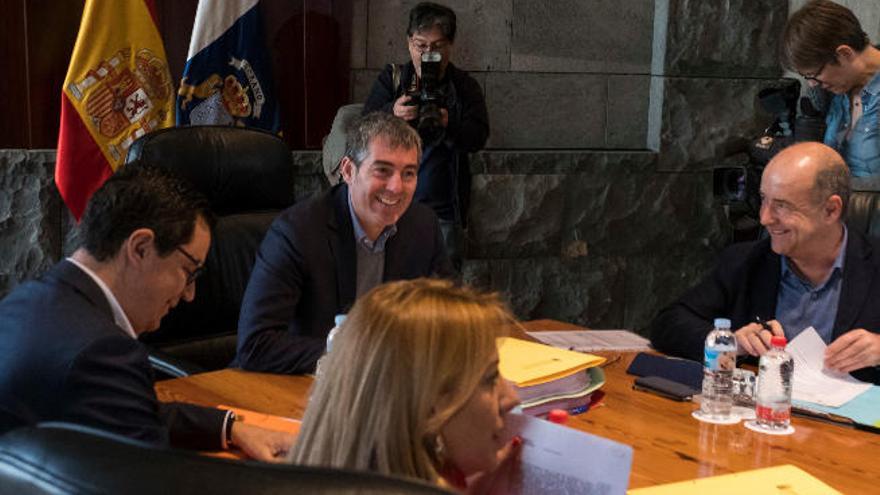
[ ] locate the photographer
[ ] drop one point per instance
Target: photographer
(826, 45)
(446, 105)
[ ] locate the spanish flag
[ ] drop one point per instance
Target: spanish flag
(117, 88)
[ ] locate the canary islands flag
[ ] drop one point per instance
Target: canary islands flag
(226, 80)
(117, 88)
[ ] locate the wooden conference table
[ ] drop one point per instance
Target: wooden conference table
(669, 444)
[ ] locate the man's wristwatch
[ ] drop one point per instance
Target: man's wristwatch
(230, 420)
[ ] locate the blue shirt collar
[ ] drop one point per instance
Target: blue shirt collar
(836, 267)
(873, 86)
(360, 235)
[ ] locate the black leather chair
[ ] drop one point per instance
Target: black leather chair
(247, 175)
(864, 207)
(70, 459)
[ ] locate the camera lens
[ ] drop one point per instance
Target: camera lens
(430, 123)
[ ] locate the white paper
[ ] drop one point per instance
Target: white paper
(594, 340)
(812, 382)
(559, 459)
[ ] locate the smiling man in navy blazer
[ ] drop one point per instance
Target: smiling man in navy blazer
(810, 271)
(68, 340)
(319, 255)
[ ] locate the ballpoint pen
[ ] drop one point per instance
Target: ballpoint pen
(764, 324)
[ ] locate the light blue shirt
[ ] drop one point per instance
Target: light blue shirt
(370, 254)
(360, 236)
(862, 150)
(800, 305)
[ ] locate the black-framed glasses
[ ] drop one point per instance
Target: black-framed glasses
(192, 275)
(815, 76)
(422, 46)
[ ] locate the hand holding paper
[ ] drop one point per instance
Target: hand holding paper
(811, 382)
(558, 459)
(853, 350)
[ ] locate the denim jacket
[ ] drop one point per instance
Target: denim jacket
(862, 150)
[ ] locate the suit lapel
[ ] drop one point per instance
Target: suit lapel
(72, 275)
(341, 240)
(396, 250)
(394, 258)
(857, 277)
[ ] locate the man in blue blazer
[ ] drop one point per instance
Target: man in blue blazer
(68, 340)
(319, 255)
(811, 271)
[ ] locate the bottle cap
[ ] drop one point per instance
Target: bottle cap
(777, 341)
(558, 416)
(722, 323)
(339, 319)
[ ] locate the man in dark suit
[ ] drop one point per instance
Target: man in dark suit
(811, 271)
(319, 255)
(68, 340)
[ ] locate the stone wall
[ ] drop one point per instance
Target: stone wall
(593, 200)
(37, 230)
(30, 216)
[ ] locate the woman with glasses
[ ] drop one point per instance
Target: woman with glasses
(412, 388)
(826, 45)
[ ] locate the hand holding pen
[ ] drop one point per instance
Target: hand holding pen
(754, 338)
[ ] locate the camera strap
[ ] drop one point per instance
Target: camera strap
(395, 78)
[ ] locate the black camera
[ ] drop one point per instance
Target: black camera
(430, 99)
(738, 186)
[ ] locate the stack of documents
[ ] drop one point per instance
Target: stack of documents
(818, 390)
(594, 340)
(812, 382)
(547, 378)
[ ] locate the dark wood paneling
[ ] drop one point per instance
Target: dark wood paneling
(305, 40)
(175, 24)
(309, 43)
(326, 67)
(286, 37)
(14, 123)
(52, 27)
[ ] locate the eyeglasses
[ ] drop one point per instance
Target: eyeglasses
(422, 46)
(814, 76)
(192, 275)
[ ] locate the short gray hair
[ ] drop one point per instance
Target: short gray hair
(833, 180)
(395, 130)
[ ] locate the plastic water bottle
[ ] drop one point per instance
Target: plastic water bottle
(718, 365)
(773, 401)
(337, 320)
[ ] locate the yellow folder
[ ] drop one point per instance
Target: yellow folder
(530, 363)
(779, 480)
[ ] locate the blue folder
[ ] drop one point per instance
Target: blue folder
(863, 410)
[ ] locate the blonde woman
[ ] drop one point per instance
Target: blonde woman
(412, 389)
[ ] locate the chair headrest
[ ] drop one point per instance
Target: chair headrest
(238, 169)
(63, 458)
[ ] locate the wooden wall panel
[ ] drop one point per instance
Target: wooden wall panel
(175, 24)
(309, 42)
(326, 64)
(52, 27)
(14, 113)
